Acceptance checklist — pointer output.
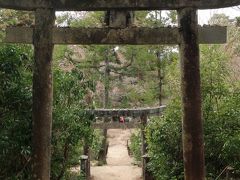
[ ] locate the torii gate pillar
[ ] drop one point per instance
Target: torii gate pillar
(42, 93)
(193, 148)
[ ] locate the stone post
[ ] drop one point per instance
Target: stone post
(42, 93)
(193, 147)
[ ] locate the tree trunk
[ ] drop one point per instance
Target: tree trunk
(159, 69)
(107, 80)
(193, 148)
(42, 93)
(103, 152)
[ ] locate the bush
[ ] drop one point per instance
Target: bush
(164, 143)
(135, 146)
(96, 143)
(15, 111)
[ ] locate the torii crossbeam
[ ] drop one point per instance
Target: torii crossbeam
(156, 111)
(136, 113)
(131, 36)
(187, 36)
(103, 5)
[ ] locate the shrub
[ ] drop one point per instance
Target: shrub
(135, 146)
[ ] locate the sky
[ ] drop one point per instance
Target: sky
(205, 15)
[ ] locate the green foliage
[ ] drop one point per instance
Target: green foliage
(96, 143)
(155, 18)
(135, 146)
(92, 19)
(14, 17)
(15, 111)
(71, 125)
(221, 112)
(60, 52)
(164, 143)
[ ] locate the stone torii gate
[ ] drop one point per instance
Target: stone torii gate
(142, 113)
(188, 35)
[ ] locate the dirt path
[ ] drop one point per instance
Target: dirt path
(119, 164)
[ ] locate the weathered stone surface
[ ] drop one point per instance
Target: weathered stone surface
(134, 36)
(42, 94)
(193, 146)
(103, 5)
(127, 112)
(119, 18)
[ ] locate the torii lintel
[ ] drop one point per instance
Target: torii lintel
(155, 111)
(133, 36)
(102, 5)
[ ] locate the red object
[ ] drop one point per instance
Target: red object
(121, 119)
